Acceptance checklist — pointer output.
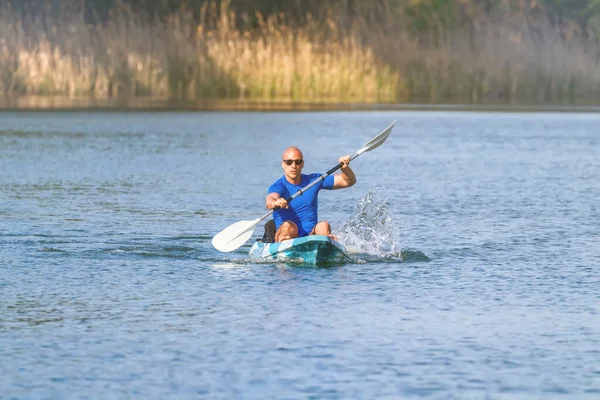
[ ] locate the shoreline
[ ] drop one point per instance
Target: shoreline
(59, 103)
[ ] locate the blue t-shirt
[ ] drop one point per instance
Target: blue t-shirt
(303, 209)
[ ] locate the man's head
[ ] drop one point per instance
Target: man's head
(292, 162)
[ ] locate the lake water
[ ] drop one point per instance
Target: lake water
(476, 271)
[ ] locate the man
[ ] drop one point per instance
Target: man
(299, 218)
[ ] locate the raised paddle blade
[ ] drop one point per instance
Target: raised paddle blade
(377, 140)
(234, 236)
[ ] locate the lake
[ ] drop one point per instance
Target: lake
(475, 266)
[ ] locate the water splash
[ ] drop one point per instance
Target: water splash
(371, 229)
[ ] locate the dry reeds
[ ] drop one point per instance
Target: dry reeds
(337, 57)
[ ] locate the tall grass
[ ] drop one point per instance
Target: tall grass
(337, 56)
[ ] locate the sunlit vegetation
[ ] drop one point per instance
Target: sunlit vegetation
(510, 51)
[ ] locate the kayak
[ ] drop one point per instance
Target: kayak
(313, 249)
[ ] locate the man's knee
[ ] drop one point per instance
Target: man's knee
(287, 230)
(322, 228)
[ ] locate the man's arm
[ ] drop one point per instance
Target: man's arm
(346, 177)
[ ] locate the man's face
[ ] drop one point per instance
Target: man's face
(292, 163)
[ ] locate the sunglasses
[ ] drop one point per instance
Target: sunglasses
(290, 162)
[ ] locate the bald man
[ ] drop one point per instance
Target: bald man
(300, 217)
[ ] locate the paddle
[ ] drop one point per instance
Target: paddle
(237, 234)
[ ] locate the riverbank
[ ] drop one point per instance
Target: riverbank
(504, 57)
(62, 103)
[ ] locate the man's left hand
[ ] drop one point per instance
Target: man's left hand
(345, 161)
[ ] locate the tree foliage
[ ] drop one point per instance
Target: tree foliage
(421, 15)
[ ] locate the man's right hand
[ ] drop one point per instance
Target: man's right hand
(279, 203)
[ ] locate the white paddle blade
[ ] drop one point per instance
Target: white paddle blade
(232, 237)
(377, 140)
